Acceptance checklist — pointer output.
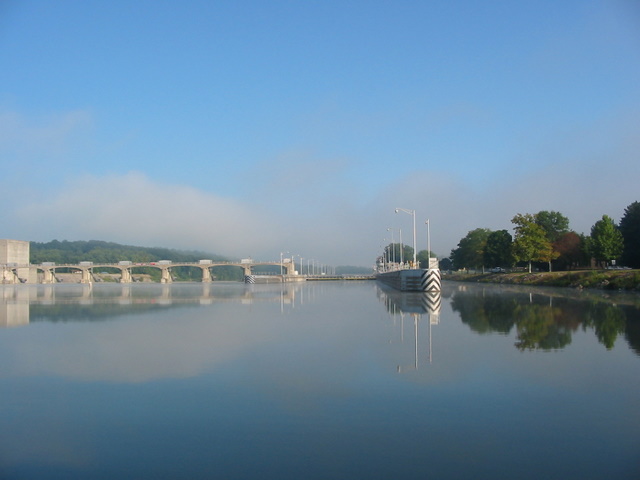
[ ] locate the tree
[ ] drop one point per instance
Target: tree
(497, 251)
(469, 253)
(554, 224)
(606, 241)
(423, 258)
(398, 253)
(630, 230)
(570, 250)
(446, 264)
(530, 243)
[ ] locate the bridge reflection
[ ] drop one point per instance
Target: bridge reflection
(17, 303)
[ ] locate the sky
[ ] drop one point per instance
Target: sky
(258, 128)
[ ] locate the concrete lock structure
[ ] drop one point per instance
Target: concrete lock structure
(15, 267)
(14, 261)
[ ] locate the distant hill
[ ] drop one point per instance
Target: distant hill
(97, 251)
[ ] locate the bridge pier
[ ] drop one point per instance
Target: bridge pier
(87, 275)
(48, 276)
(126, 275)
(9, 275)
(206, 275)
(166, 275)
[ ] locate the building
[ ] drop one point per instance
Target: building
(14, 261)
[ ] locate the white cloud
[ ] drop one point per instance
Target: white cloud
(134, 209)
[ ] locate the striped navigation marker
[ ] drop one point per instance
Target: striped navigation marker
(430, 280)
(432, 301)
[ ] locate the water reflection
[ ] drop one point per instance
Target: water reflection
(138, 332)
(289, 381)
(414, 305)
(543, 319)
(22, 304)
(547, 319)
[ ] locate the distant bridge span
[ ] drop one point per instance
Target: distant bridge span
(86, 268)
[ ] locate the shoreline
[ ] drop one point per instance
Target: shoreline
(611, 280)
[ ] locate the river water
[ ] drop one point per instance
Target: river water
(317, 380)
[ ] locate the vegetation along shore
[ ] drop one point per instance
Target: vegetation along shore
(627, 280)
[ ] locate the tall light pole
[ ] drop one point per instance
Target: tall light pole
(413, 214)
(281, 253)
(385, 254)
(393, 254)
(428, 243)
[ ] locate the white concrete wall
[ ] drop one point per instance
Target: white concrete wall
(17, 252)
(14, 251)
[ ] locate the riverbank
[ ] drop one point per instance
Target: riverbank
(627, 280)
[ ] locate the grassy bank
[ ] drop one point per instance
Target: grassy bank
(628, 280)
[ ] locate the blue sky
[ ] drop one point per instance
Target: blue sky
(250, 128)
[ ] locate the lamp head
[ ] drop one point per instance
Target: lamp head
(396, 210)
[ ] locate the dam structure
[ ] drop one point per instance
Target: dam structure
(15, 267)
(46, 272)
(412, 279)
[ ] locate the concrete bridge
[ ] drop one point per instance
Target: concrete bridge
(11, 272)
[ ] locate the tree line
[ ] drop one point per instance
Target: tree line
(98, 251)
(545, 240)
(101, 252)
(401, 254)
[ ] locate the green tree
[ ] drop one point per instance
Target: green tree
(606, 242)
(630, 230)
(398, 253)
(446, 264)
(497, 251)
(423, 258)
(469, 253)
(554, 224)
(530, 243)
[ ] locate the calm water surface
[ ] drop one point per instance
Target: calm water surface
(317, 381)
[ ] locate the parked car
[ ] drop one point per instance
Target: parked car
(498, 270)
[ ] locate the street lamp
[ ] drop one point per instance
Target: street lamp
(428, 243)
(393, 255)
(413, 214)
(281, 253)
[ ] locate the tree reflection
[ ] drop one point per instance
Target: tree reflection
(632, 333)
(485, 314)
(608, 321)
(538, 328)
(543, 322)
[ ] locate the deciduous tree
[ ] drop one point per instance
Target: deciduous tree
(497, 251)
(469, 253)
(530, 243)
(423, 258)
(570, 250)
(554, 224)
(606, 241)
